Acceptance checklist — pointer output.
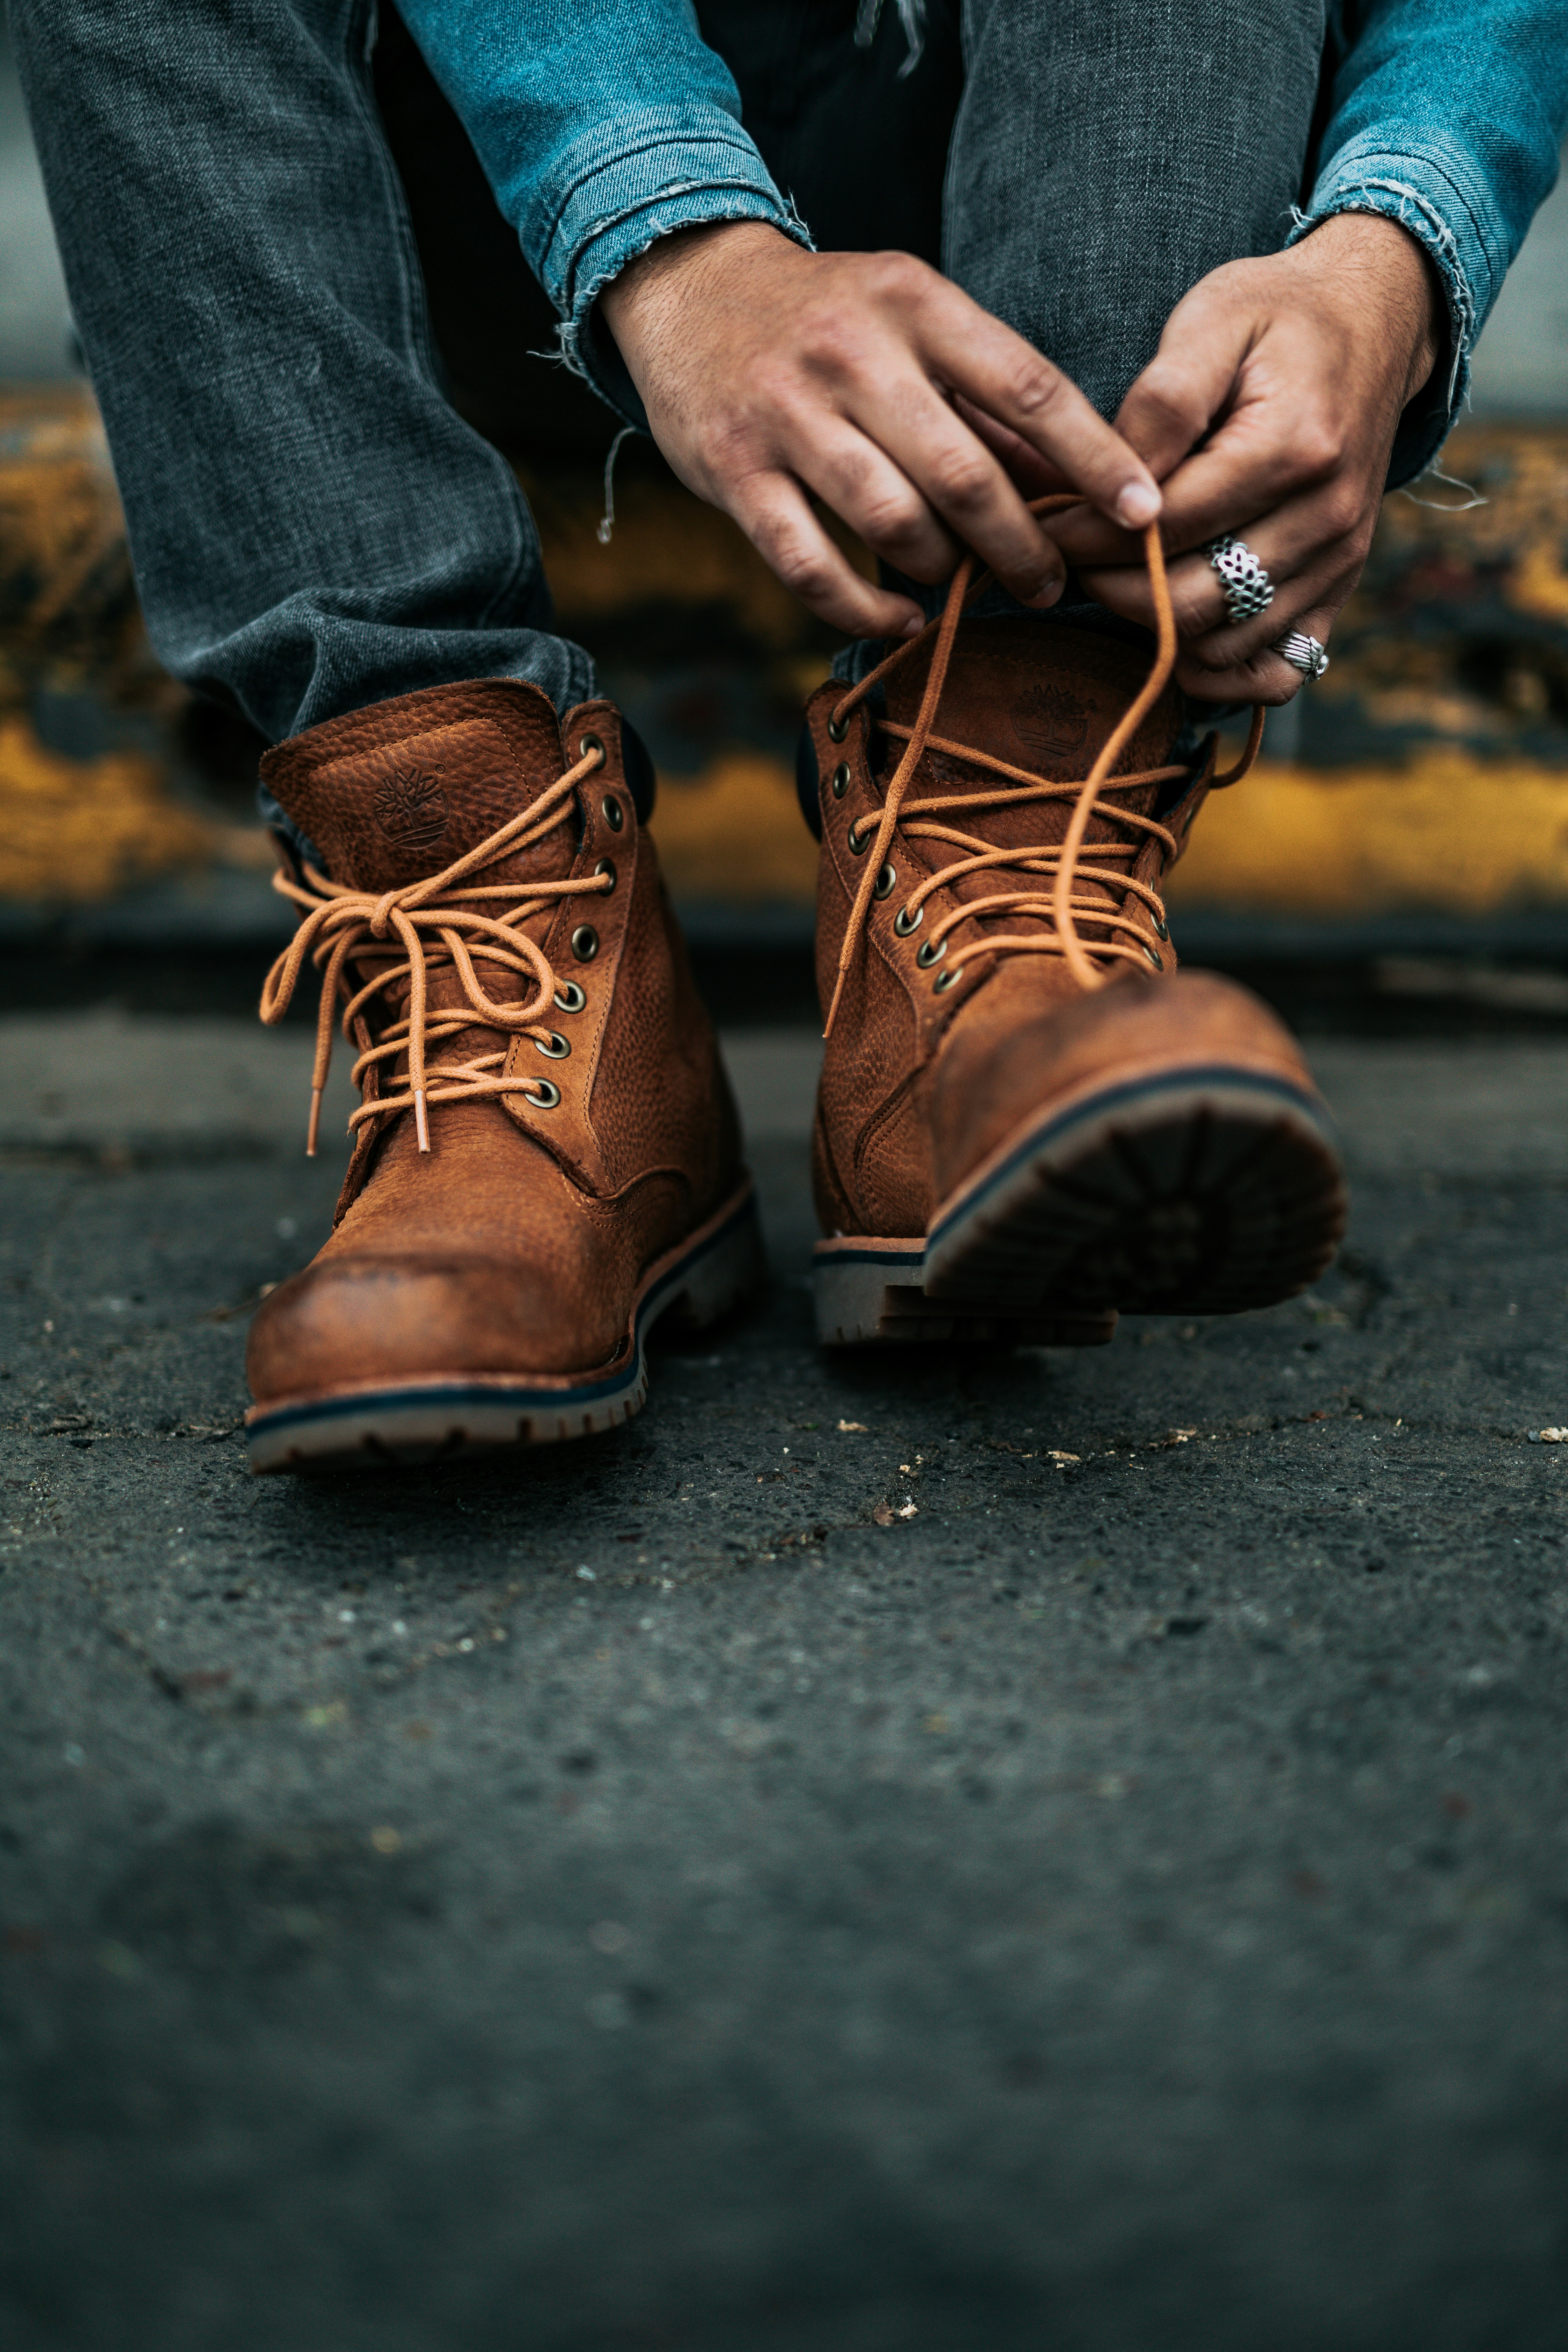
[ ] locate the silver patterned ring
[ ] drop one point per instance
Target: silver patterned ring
(1303, 652)
(1248, 590)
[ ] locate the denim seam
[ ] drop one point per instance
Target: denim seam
(597, 164)
(579, 299)
(577, 345)
(527, 556)
(1420, 217)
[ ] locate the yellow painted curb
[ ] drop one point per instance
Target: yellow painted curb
(735, 833)
(72, 831)
(1451, 832)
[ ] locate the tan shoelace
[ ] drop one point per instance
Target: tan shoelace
(1061, 863)
(437, 924)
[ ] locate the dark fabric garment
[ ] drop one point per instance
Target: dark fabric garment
(855, 139)
(313, 524)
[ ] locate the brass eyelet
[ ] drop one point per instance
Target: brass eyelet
(836, 729)
(841, 780)
(904, 922)
(568, 997)
(858, 847)
(1161, 927)
(608, 866)
(931, 952)
(612, 812)
(946, 979)
(554, 1048)
(584, 942)
(588, 746)
(544, 1094)
(1156, 958)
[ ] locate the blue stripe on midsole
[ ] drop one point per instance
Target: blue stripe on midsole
(826, 1259)
(542, 1399)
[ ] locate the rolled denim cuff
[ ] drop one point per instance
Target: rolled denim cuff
(1440, 198)
(622, 205)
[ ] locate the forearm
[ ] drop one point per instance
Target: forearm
(1446, 117)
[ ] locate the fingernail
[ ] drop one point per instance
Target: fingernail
(1139, 504)
(911, 628)
(1047, 596)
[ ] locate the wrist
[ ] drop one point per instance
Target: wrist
(634, 300)
(1380, 262)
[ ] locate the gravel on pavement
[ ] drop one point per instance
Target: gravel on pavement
(896, 1850)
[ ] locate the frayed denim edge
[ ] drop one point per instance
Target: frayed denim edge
(1421, 217)
(576, 352)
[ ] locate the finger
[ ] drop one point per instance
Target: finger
(1297, 544)
(1275, 444)
(1031, 476)
(773, 511)
(1224, 653)
(977, 356)
(961, 481)
(1262, 676)
(1193, 375)
(1251, 468)
(861, 483)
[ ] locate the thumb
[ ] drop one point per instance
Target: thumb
(1191, 379)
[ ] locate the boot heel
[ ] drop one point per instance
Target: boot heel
(868, 1291)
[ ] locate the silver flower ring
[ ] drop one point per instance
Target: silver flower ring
(1248, 590)
(1303, 652)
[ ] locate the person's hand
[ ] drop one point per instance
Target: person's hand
(770, 374)
(1298, 368)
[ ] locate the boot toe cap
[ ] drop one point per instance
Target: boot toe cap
(999, 1073)
(349, 1319)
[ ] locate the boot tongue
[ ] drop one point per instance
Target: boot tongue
(1045, 699)
(397, 793)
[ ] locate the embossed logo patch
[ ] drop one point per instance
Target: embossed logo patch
(410, 807)
(1051, 723)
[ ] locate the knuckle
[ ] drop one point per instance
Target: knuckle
(1318, 448)
(897, 277)
(1343, 512)
(1169, 402)
(822, 342)
(1036, 387)
(805, 572)
(887, 517)
(960, 478)
(732, 450)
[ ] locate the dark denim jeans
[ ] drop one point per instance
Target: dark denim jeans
(314, 525)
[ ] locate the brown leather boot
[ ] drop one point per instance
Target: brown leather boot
(547, 1155)
(1028, 1119)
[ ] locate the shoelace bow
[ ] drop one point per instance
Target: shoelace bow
(437, 924)
(1060, 861)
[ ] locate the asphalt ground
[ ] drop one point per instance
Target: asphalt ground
(912, 1851)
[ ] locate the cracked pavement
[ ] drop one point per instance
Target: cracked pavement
(916, 1850)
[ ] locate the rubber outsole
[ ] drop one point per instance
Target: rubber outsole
(866, 1289)
(1207, 1191)
(369, 1423)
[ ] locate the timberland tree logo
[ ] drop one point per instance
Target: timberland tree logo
(410, 807)
(1051, 723)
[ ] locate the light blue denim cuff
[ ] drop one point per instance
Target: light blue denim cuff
(1439, 196)
(615, 205)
